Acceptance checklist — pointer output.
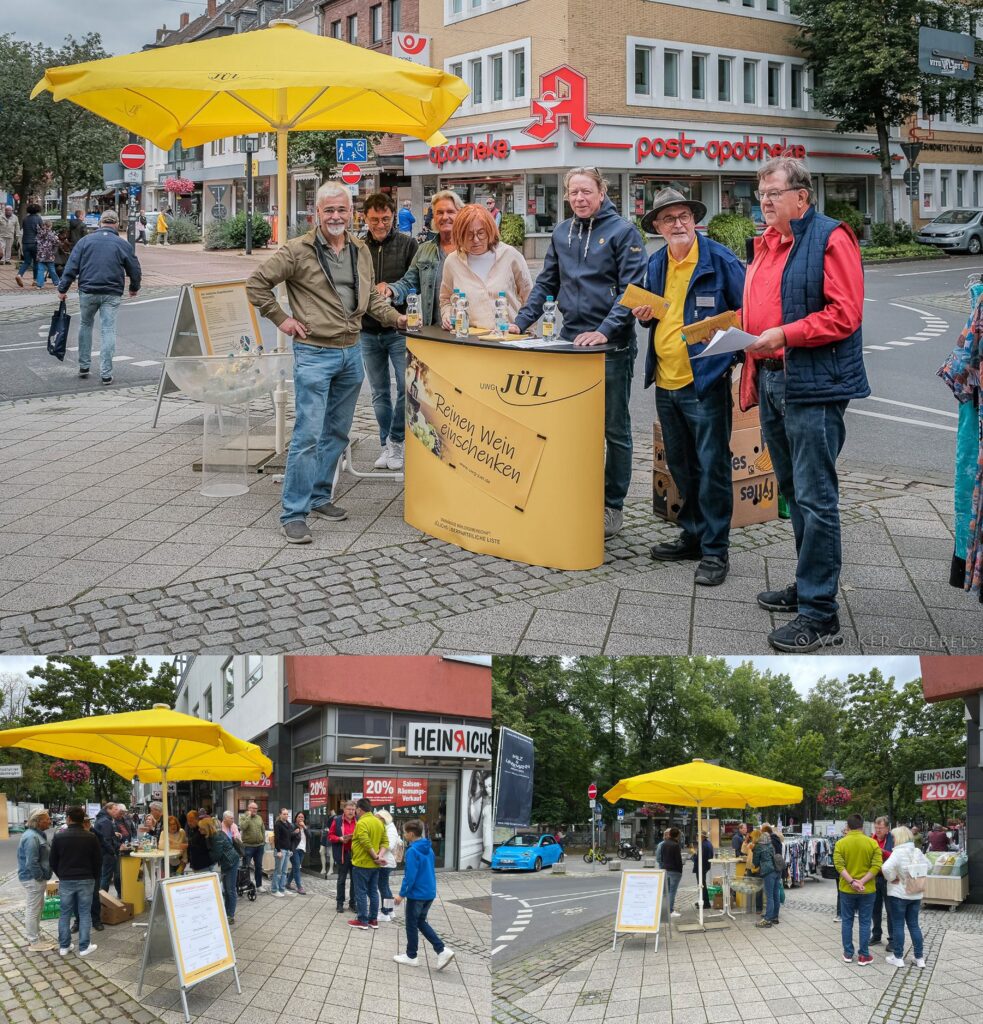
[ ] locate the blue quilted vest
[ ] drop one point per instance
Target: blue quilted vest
(820, 373)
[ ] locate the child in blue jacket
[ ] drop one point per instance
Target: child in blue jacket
(419, 890)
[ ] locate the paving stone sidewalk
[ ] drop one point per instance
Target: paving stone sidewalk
(791, 974)
(298, 962)
(107, 546)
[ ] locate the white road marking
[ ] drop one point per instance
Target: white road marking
(901, 419)
(498, 949)
(906, 344)
(570, 899)
(520, 929)
(951, 270)
(148, 362)
(876, 348)
(911, 309)
(143, 302)
(920, 408)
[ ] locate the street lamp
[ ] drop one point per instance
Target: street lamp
(831, 776)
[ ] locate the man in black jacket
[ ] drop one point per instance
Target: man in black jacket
(110, 838)
(76, 858)
(392, 253)
(101, 261)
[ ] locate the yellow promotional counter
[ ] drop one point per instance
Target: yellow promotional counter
(505, 447)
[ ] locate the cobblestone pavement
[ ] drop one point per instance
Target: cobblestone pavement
(792, 974)
(298, 962)
(107, 546)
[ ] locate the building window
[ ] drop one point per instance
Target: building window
(699, 72)
(375, 15)
(353, 28)
(774, 85)
(977, 187)
(518, 74)
(724, 70)
(228, 687)
(643, 70)
(474, 75)
(497, 79)
(208, 704)
(749, 3)
(356, 722)
(457, 6)
(944, 179)
(771, 5)
(363, 749)
(308, 755)
(395, 15)
(750, 81)
(962, 178)
(670, 73)
(336, 29)
(928, 189)
(254, 671)
(457, 70)
(196, 709)
(796, 77)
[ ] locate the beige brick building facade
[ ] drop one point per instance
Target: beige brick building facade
(693, 93)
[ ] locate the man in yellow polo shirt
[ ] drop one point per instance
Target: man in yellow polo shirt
(699, 278)
(368, 839)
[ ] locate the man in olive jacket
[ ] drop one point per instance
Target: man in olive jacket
(330, 285)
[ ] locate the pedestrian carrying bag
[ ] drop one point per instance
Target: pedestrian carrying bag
(916, 875)
(58, 332)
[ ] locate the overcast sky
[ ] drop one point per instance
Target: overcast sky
(125, 25)
(20, 664)
(806, 671)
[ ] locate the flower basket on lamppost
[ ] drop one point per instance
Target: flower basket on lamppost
(179, 186)
(70, 774)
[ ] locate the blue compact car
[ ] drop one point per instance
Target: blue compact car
(527, 852)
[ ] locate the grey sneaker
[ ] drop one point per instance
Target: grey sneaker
(107, 380)
(330, 511)
(395, 455)
(296, 532)
(613, 520)
(83, 372)
(712, 571)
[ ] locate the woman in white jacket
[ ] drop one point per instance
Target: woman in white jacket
(391, 854)
(906, 863)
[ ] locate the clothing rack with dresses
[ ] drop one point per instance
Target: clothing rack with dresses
(806, 856)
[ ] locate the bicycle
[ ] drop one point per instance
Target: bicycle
(595, 854)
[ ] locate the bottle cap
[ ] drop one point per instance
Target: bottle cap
(549, 298)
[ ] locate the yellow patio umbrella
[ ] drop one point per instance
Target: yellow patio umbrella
(157, 745)
(280, 79)
(698, 784)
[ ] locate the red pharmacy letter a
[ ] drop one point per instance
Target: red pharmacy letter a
(562, 93)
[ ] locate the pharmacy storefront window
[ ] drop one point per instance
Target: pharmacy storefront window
(645, 188)
(840, 189)
(737, 196)
(542, 202)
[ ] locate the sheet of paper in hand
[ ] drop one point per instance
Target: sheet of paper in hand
(731, 340)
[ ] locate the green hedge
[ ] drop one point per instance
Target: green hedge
(182, 230)
(732, 230)
(231, 232)
(914, 251)
(513, 230)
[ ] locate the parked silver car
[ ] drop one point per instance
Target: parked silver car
(955, 229)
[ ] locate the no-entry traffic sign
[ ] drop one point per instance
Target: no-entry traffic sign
(351, 174)
(592, 792)
(133, 155)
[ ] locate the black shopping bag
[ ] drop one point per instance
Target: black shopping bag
(58, 332)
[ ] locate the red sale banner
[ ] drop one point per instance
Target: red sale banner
(380, 791)
(944, 791)
(411, 791)
(318, 790)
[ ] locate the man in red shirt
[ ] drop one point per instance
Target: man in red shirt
(803, 298)
(340, 836)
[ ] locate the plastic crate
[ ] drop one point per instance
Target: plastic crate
(52, 908)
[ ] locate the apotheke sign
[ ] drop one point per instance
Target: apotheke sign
(424, 739)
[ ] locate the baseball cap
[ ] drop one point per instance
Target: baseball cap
(109, 217)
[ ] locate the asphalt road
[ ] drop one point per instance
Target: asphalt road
(530, 910)
(8, 855)
(906, 428)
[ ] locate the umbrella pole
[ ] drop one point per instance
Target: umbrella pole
(280, 392)
(699, 861)
(167, 828)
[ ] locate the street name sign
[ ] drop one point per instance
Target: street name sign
(11, 771)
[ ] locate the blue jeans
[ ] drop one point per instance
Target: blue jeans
(385, 892)
(900, 913)
(366, 893)
(255, 854)
(76, 902)
(618, 370)
(673, 878)
(861, 904)
(378, 351)
(696, 432)
(772, 883)
(294, 876)
(29, 260)
(880, 910)
(44, 271)
(229, 895)
(417, 924)
(805, 441)
(326, 385)
(108, 308)
(110, 872)
(279, 881)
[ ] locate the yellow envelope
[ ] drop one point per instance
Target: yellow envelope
(704, 330)
(635, 296)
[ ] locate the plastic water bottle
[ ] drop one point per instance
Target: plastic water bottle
(414, 321)
(463, 319)
(501, 315)
(454, 309)
(549, 318)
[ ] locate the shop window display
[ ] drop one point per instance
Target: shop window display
(542, 202)
(644, 190)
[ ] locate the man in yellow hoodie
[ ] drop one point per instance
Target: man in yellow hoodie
(858, 862)
(368, 841)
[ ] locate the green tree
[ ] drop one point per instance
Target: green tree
(23, 161)
(863, 55)
(317, 149)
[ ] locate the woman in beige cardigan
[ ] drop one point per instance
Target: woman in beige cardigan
(482, 265)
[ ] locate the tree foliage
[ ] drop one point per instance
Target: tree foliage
(317, 149)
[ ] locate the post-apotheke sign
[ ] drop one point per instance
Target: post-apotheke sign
(427, 739)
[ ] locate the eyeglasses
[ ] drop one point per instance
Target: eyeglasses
(329, 210)
(479, 235)
(773, 194)
(679, 218)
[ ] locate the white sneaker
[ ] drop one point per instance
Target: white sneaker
(395, 460)
(65, 952)
(383, 461)
(388, 918)
(91, 948)
(443, 959)
(920, 961)
(278, 895)
(894, 961)
(291, 892)
(675, 913)
(409, 961)
(613, 520)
